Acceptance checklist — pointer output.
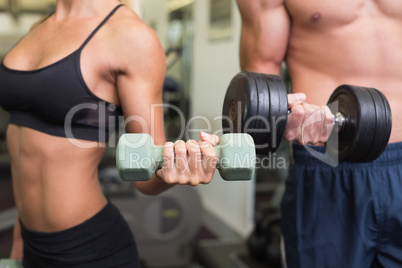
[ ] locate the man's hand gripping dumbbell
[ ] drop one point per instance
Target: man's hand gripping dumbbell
(355, 125)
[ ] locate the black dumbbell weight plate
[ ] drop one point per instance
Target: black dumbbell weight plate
(262, 128)
(388, 119)
(354, 138)
(383, 125)
(360, 131)
(279, 109)
(261, 97)
(275, 109)
(240, 103)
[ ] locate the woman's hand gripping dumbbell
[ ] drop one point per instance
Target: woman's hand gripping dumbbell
(138, 158)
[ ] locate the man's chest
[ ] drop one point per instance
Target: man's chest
(341, 11)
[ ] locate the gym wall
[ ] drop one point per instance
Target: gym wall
(214, 63)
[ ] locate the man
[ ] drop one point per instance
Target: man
(350, 215)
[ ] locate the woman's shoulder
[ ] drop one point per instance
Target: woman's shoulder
(127, 26)
(130, 41)
(129, 35)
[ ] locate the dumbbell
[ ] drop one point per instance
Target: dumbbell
(137, 157)
(8, 263)
(257, 104)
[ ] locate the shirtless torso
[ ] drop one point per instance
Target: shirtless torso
(330, 216)
(328, 43)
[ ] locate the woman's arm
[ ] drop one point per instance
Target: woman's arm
(139, 82)
(18, 243)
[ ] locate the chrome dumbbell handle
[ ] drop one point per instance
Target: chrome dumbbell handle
(339, 121)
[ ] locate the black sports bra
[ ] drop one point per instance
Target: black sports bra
(56, 100)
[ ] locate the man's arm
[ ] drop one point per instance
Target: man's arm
(264, 35)
(263, 46)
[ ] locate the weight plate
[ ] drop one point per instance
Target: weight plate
(262, 129)
(357, 107)
(252, 100)
(376, 127)
(367, 122)
(382, 127)
(240, 103)
(278, 109)
(388, 119)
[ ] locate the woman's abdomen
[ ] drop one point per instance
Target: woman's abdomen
(55, 183)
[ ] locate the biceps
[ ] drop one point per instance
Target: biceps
(142, 106)
(274, 34)
(264, 42)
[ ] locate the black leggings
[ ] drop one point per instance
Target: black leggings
(103, 241)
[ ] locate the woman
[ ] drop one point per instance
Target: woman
(99, 60)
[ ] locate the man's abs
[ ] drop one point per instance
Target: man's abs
(55, 183)
(346, 42)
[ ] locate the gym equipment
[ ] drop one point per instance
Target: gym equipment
(8, 263)
(253, 102)
(257, 104)
(7, 219)
(364, 123)
(264, 243)
(137, 157)
(164, 226)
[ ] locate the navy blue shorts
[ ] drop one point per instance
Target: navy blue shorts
(344, 216)
(104, 240)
